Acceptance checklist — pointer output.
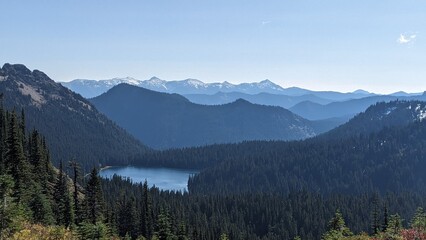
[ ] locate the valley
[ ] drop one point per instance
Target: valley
(204, 171)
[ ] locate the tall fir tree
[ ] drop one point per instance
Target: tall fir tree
(375, 225)
(94, 205)
(16, 163)
(385, 218)
(147, 212)
(63, 206)
(76, 201)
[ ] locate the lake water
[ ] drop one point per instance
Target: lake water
(163, 178)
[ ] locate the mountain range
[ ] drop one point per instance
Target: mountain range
(163, 120)
(73, 128)
(93, 88)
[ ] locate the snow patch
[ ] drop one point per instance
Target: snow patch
(421, 112)
(422, 115)
(3, 78)
(390, 110)
(418, 107)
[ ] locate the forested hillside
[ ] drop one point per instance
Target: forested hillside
(390, 156)
(72, 125)
(163, 120)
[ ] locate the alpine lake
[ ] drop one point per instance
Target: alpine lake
(164, 178)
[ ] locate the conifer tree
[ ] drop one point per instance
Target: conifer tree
(38, 161)
(2, 133)
(395, 224)
(11, 213)
(337, 228)
(146, 215)
(164, 228)
(419, 219)
(63, 207)
(76, 202)
(375, 225)
(385, 218)
(41, 208)
(94, 200)
(16, 164)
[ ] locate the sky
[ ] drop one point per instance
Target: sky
(379, 46)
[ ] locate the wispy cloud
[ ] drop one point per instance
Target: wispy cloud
(406, 38)
(265, 22)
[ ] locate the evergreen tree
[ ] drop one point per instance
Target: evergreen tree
(76, 176)
(395, 224)
(22, 127)
(2, 134)
(126, 217)
(375, 225)
(63, 206)
(11, 213)
(41, 208)
(38, 161)
(164, 228)
(94, 200)
(419, 219)
(385, 218)
(16, 164)
(182, 232)
(147, 213)
(337, 228)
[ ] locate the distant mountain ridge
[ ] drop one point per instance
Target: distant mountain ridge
(93, 88)
(345, 109)
(73, 128)
(163, 120)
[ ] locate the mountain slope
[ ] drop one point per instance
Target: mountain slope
(71, 124)
(316, 111)
(392, 160)
(164, 120)
(379, 116)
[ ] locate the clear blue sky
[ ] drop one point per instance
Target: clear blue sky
(341, 45)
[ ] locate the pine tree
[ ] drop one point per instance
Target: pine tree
(164, 228)
(182, 233)
(337, 228)
(126, 216)
(41, 208)
(38, 161)
(419, 219)
(385, 218)
(375, 225)
(2, 133)
(22, 127)
(63, 207)
(16, 164)
(76, 175)
(395, 224)
(94, 205)
(146, 215)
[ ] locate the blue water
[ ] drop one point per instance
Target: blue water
(163, 178)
